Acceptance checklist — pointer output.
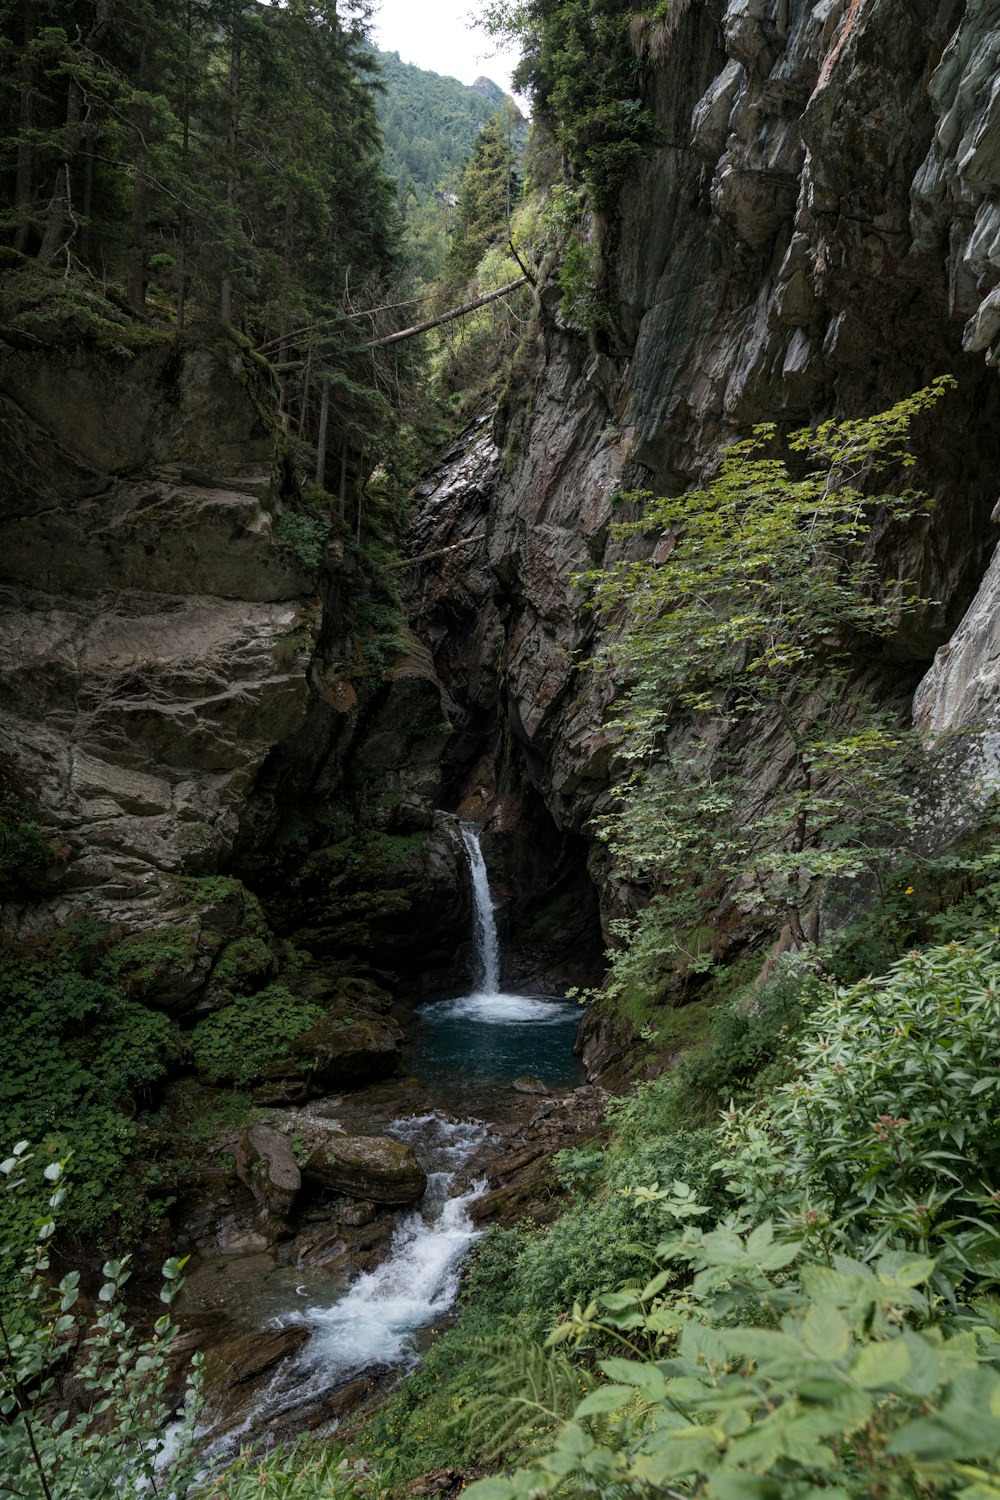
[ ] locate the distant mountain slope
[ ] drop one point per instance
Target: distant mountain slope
(430, 123)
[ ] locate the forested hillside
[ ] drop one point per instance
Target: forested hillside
(431, 125)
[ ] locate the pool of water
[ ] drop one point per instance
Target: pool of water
(495, 1038)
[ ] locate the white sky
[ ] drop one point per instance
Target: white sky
(437, 35)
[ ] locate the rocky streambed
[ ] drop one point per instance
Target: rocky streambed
(327, 1240)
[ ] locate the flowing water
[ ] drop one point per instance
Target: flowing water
(377, 1319)
(491, 1035)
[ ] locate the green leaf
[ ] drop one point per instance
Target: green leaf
(825, 1332)
(646, 1378)
(606, 1398)
(881, 1366)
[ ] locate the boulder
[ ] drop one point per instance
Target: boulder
(266, 1163)
(375, 1168)
(253, 1354)
(528, 1085)
(338, 1052)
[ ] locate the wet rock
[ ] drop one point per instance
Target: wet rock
(338, 1052)
(446, 1482)
(528, 1085)
(372, 1168)
(519, 1178)
(235, 1372)
(327, 1252)
(266, 1163)
(359, 1213)
(333, 1405)
(254, 1354)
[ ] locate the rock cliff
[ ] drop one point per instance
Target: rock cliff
(815, 234)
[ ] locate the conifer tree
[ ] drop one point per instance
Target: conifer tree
(486, 197)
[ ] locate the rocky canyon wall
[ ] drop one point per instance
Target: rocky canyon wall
(815, 234)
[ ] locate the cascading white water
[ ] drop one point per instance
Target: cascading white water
(377, 1319)
(484, 925)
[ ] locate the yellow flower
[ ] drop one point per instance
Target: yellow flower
(908, 891)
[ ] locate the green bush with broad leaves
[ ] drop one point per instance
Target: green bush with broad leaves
(836, 1332)
(74, 1047)
(886, 1137)
(745, 628)
(772, 1377)
(110, 1441)
(233, 1044)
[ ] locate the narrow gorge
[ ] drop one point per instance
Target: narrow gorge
(319, 905)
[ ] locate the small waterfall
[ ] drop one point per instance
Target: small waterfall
(485, 926)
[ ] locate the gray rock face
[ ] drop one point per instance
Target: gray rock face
(266, 1163)
(154, 636)
(372, 1168)
(818, 234)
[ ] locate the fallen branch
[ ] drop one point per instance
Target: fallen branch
(409, 333)
(409, 562)
(456, 312)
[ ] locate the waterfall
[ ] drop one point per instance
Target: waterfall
(485, 926)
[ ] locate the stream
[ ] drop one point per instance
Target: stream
(466, 1050)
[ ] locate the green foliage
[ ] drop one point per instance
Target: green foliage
(301, 1471)
(26, 852)
(108, 1442)
(580, 65)
(40, 306)
(73, 1050)
(431, 125)
(751, 1038)
(304, 537)
(849, 1349)
(487, 196)
(234, 1044)
(747, 631)
(886, 1135)
(839, 1385)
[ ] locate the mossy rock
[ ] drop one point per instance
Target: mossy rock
(163, 968)
(339, 1052)
(372, 1168)
(243, 968)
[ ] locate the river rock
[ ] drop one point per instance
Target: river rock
(356, 1215)
(374, 1168)
(266, 1163)
(528, 1085)
(255, 1353)
(235, 1372)
(338, 1052)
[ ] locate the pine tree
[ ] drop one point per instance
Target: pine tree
(486, 197)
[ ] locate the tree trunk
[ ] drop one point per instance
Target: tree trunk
(448, 317)
(182, 218)
(324, 418)
(87, 205)
(61, 216)
(23, 183)
(232, 145)
(136, 280)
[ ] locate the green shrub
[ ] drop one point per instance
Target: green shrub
(234, 1044)
(109, 1441)
(888, 1132)
(751, 1038)
(303, 537)
(73, 1051)
(26, 852)
(840, 1384)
